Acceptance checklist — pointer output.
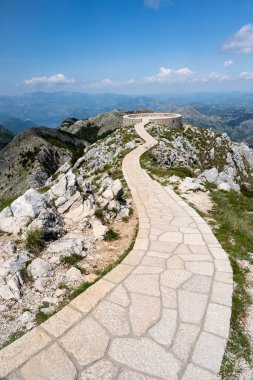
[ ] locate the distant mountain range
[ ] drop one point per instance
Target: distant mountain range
(230, 113)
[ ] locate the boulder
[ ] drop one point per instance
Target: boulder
(68, 245)
(19, 261)
(174, 179)
(190, 184)
(108, 195)
(210, 175)
(41, 283)
(25, 317)
(224, 186)
(15, 284)
(31, 210)
(99, 230)
(117, 189)
(123, 213)
(39, 268)
(112, 205)
(74, 274)
(59, 189)
(6, 293)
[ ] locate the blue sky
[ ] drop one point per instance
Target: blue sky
(126, 46)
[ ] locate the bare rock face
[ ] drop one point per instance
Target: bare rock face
(31, 211)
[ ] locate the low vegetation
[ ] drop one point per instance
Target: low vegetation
(35, 240)
(109, 268)
(233, 229)
(14, 336)
(111, 235)
(72, 260)
(6, 201)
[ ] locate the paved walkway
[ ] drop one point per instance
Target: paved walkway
(163, 313)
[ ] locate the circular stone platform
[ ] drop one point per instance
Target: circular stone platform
(172, 120)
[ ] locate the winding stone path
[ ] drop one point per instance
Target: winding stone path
(163, 313)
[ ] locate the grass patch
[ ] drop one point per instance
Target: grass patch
(111, 235)
(42, 317)
(149, 162)
(62, 285)
(14, 336)
(72, 260)
(6, 201)
(43, 190)
(99, 213)
(234, 231)
(86, 285)
(35, 240)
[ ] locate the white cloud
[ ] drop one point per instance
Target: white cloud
(184, 72)
(217, 77)
(184, 75)
(170, 75)
(107, 82)
(246, 75)
(156, 4)
(241, 41)
(228, 63)
(54, 79)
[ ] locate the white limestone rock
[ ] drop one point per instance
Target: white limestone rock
(31, 210)
(117, 189)
(210, 175)
(39, 268)
(174, 179)
(191, 184)
(99, 230)
(108, 195)
(68, 245)
(41, 283)
(224, 186)
(74, 274)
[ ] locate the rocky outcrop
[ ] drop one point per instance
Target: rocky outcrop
(31, 211)
(94, 127)
(33, 156)
(209, 156)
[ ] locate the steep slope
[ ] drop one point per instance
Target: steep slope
(94, 128)
(16, 125)
(33, 156)
(5, 136)
(84, 223)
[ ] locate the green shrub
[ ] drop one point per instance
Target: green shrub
(42, 317)
(6, 201)
(99, 213)
(111, 235)
(72, 260)
(35, 240)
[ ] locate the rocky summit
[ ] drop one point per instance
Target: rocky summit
(61, 235)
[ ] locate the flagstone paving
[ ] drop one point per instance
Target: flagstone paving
(163, 313)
